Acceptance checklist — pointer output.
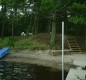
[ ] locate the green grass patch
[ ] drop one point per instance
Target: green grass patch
(6, 42)
(34, 42)
(24, 44)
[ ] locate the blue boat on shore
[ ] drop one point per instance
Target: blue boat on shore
(4, 51)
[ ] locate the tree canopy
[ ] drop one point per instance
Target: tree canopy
(38, 16)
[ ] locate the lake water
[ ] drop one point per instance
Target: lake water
(23, 71)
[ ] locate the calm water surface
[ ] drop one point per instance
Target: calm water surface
(22, 71)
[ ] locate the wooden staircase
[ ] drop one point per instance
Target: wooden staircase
(73, 45)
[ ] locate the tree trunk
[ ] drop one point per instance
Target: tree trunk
(3, 19)
(85, 37)
(36, 25)
(14, 21)
(53, 32)
(28, 29)
(2, 34)
(12, 29)
(49, 26)
(36, 28)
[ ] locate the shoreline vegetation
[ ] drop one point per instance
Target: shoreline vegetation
(36, 49)
(35, 42)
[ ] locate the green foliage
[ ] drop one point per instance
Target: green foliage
(49, 5)
(16, 16)
(77, 11)
(22, 44)
(77, 20)
(78, 6)
(34, 42)
(6, 42)
(3, 2)
(37, 46)
(15, 3)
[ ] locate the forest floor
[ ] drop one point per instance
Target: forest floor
(43, 58)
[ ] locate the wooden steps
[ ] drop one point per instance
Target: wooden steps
(73, 45)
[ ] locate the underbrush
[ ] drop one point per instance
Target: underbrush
(35, 42)
(6, 42)
(24, 44)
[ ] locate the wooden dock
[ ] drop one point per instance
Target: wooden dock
(77, 71)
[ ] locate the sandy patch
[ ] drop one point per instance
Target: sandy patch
(43, 58)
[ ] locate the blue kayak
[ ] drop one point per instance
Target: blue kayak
(3, 51)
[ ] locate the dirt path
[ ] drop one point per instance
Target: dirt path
(43, 58)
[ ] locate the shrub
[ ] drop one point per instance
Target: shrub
(6, 42)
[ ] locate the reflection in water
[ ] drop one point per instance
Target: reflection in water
(22, 71)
